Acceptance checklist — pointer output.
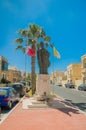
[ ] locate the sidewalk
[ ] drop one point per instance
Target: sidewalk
(61, 117)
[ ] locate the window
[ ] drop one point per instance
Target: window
(4, 65)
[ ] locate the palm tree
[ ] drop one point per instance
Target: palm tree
(32, 36)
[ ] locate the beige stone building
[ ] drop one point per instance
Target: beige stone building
(3, 67)
(57, 76)
(74, 72)
(83, 67)
(11, 73)
(14, 75)
(3, 64)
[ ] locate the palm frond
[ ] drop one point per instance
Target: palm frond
(23, 32)
(29, 41)
(24, 49)
(29, 34)
(47, 38)
(42, 32)
(38, 45)
(35, 30)
(18, 47)
(51, 45)
(47, 44)
(19, 40)
(19, 31)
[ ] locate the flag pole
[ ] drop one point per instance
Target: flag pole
(57, 54)
(53, 70)
(26, 62)
(25, 66)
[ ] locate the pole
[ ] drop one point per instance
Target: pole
(53, 71)
(25, 66)
(26, 61)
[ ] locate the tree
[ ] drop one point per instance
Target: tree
(32, 36)
(5, 81)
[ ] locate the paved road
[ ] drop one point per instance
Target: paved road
(77, 98)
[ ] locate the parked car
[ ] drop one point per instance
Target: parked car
(20, 88)
(26, 84)
(8, 96)
(69, 85)
(59, 84)
(82, 87)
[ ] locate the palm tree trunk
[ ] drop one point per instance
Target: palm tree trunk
(33, 75)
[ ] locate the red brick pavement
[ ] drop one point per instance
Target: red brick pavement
(60, 118)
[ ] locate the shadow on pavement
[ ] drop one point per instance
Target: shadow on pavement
(63, 106)
(54, 103)
(81, 106)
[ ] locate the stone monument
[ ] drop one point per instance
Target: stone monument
(43, 60)
(43, 78)
(41, 100)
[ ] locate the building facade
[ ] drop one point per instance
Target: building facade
(10, 73)
(56, 77)
(74, 72)
(3, 67)
(83, 66)
(14, 75)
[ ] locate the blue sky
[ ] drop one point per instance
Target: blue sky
(63, 20)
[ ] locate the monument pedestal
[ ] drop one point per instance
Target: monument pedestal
(43, 84)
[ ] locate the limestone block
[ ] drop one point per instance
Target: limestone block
(43, 84)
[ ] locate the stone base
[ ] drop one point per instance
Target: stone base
(42, 105)
(33, 103)
(43, 84)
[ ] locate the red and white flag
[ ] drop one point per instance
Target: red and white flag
(30, 51)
